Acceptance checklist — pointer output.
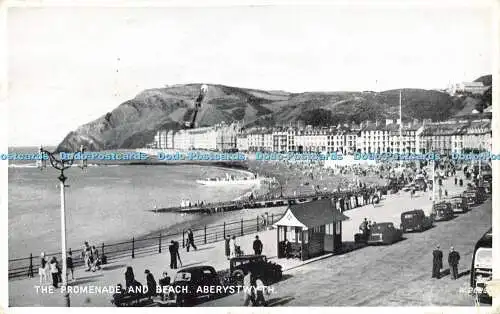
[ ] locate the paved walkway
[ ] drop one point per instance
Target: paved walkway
(24, 292)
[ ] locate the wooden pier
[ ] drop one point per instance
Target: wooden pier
(348, 199)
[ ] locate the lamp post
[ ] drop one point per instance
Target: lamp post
(62, 163)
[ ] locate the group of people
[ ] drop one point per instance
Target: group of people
(135, 288)
(232, 249)
(366, 226)
(91, 257)
(437, 262)
(49, 268)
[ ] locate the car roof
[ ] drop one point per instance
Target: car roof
(247, 257)
(195, 268)
(415, 211)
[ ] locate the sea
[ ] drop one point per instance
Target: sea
(105, 203)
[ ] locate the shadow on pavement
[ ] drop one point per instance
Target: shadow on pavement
(349, 246)
(203, 248)
(279, 301)
(445, 273)
(113, 267)
(464, 273)
(81, 281)
(285, 277)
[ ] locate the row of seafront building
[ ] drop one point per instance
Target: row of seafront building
(387, 136)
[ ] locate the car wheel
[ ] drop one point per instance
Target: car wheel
(238, 276)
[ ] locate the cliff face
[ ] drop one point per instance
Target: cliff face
(134, 123)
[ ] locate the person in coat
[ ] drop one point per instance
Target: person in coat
(227, 247)
(129, 277)
(54, 271)
(190, 240)
(232, 245)
(453, 260)
(257, 246)
(151, 284)
(437, 262)
(173, 255)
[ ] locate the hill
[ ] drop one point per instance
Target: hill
(134, 123)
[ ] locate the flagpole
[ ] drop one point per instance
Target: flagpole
(400, 128)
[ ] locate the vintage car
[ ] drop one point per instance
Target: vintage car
(481, 193)
(190, 285)
(384, 233)
(471, 197)
(415, 220)
(459, 204)
(442, 211)
(258, 264)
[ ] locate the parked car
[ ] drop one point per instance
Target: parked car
(415, 220)
(471, 197)
(481, 193)
(442, 211)
(459, 204)
(384, 233)
(258, 264)
(191, 283)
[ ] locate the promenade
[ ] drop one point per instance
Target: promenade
(23, 292)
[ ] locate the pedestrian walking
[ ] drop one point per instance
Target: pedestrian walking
(54, 271)
(257, 246)
(176, 246)
(227, 247)
(69, 265)
(173, 255)
(43, 269)
(437, 262)
(190, 240)
(248, 289)
(453, 260)
(164, 282)
(151, 284)
(87, 256)
(232, 245)
(260, 289)
(95, 258)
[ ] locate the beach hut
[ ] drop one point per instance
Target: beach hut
(311, 228)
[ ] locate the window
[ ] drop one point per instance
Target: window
(338, 227)
(329, 229)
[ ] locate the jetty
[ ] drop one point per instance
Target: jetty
(344, 199)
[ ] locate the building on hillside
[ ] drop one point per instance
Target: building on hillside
(204, 138)
(281, 140)
(442, 137)
(227, 136)
(170, 139)
(478, 136)
(312, 140)
(181, 140)
(389, 137)
(259, 140)
(472, 88)
(242, 142)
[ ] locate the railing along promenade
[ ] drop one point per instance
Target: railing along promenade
(28, 266)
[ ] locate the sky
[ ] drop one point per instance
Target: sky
(69, 66)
